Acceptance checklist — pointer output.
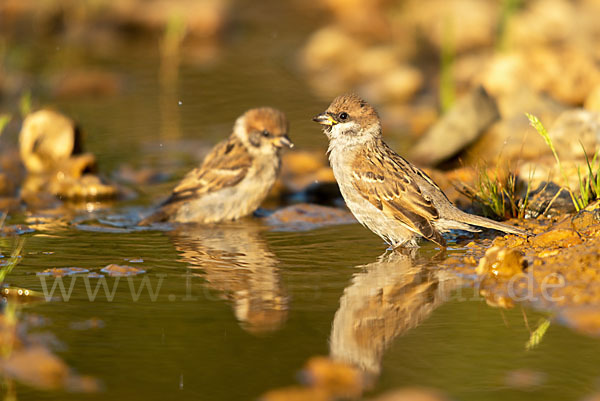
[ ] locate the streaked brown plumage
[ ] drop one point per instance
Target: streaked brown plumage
(235, 177)
(385, 192)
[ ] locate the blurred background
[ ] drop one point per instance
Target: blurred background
(137, 74)
(154, 83)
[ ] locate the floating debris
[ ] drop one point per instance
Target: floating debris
(62, 271)
(93, 323)
(134, 260)
(525, 379)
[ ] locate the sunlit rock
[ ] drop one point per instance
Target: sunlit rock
(462, 125)
(585, 319)
(330, 51)
(398, 84)
(544, 22)
(592, 101)
(567, 74)
(204, 19)
(339, 379)
(47, 139)
(51, 147)
(502, 263)
(575, 133)
(461, 25)
(562, 238)
(367, 18)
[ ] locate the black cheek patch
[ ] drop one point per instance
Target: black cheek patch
(254, 139)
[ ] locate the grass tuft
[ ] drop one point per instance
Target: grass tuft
(537, 335)
(498, 195)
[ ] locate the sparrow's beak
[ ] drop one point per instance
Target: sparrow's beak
(282, 141)
(324, 119)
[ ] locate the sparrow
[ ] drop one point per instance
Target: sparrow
(235, 177)
(385, 192)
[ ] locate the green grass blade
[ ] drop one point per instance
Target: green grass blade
(4, 120)
(13, 261)
(539, 127)
(25, 104)
(538, 334)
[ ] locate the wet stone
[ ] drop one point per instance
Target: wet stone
(548, 198)
(586, 220)
(46, 139)
(338, 378)
(558, 237)
(305, 216)
(134, 260)
(16, 229)
(140, 176)
(586, 319)
(63, 271)
(500, 262)
(114, 270)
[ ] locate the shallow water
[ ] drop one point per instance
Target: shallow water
(185, 338)
(236, 310)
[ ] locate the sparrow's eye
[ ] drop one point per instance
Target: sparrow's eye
(266, 133)
(343, 115)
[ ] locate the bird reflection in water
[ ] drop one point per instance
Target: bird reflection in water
(238, 265)
(386, 299)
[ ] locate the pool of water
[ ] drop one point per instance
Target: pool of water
(231, 315)
(229, 312)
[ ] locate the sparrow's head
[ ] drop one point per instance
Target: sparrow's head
(349, 119)
(263, 130)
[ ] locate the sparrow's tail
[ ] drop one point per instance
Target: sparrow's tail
(474, 220)
(157, 216)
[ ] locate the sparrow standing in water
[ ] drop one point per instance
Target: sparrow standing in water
(235, 177)
(385, 192)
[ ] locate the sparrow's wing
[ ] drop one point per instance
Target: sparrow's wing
(387, 181)
(225, 166)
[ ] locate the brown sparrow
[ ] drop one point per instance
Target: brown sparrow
(385, 192)
(235, 177)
